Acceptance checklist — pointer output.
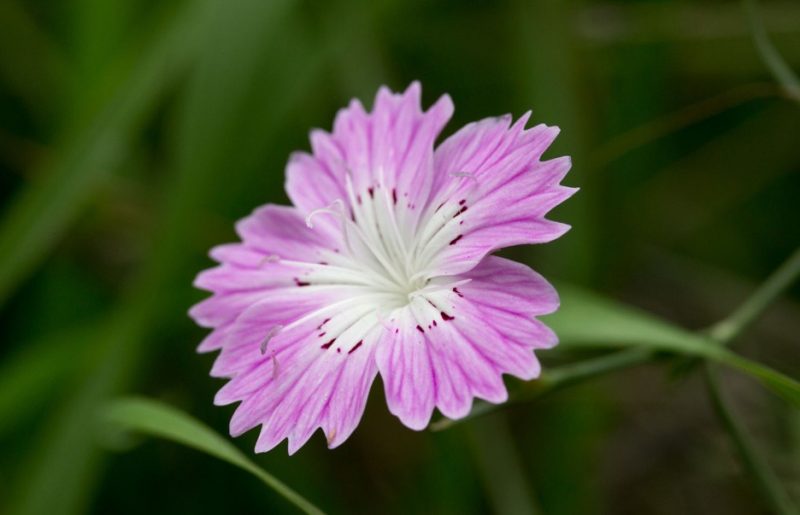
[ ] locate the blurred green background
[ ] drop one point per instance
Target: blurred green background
(134, 133)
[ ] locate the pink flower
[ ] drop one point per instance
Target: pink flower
(383, 266)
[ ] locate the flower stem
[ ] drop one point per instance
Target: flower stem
(727, 329)
(576, 372)
(557, 378)
(723, 333)
(769, 54)
(766, 481)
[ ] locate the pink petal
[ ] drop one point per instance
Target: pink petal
(382, 267)
(493, 170)
(250, 272)
(300, 383)
(390, 147)
(238, 254)
(409, 381)
(281, 231)
(445, 352)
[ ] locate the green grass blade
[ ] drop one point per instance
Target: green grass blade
(40, 214)
(773, 60)
(162, 421)
(501, 467)
(756, 465)
(66, 464)
(589, 320)
(752, 308)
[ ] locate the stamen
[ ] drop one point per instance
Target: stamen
(329, 210)
(468, 175)
(272, 258)
(270, 334)
(433, 288)
(275, 367)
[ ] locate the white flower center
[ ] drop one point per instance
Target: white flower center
(390, 245)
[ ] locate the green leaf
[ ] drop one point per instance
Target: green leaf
(65, 466)
(589, 320)
(162, 421)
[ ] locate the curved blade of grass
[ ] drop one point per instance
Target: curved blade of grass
(724, 331)
(159, 420)
(765, 480)
(501, 468)
(40, 214)
(589, 320)
(675, 121)
(768, 53)
(63, 469)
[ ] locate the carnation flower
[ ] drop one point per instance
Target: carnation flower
(384, 266)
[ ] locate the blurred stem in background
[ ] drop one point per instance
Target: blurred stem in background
(769, 54)
(671, 123)
(723, 333)
(156, 419)
(500, 467)
(567, 375)
(777, 283)
(767, 483)
(726, 331)
(755, 464)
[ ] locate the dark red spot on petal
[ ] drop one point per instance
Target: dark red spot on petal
(394, 196)
(460, 211)
(462, 202)
(323, 323)
(434, 323)
(328, 345)
(455, 240)
(323, 263)
(458, 293)
(447, 317)
(298, 282)
(321, 335)
(371, 192)
(357, 345)
(420, 329)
